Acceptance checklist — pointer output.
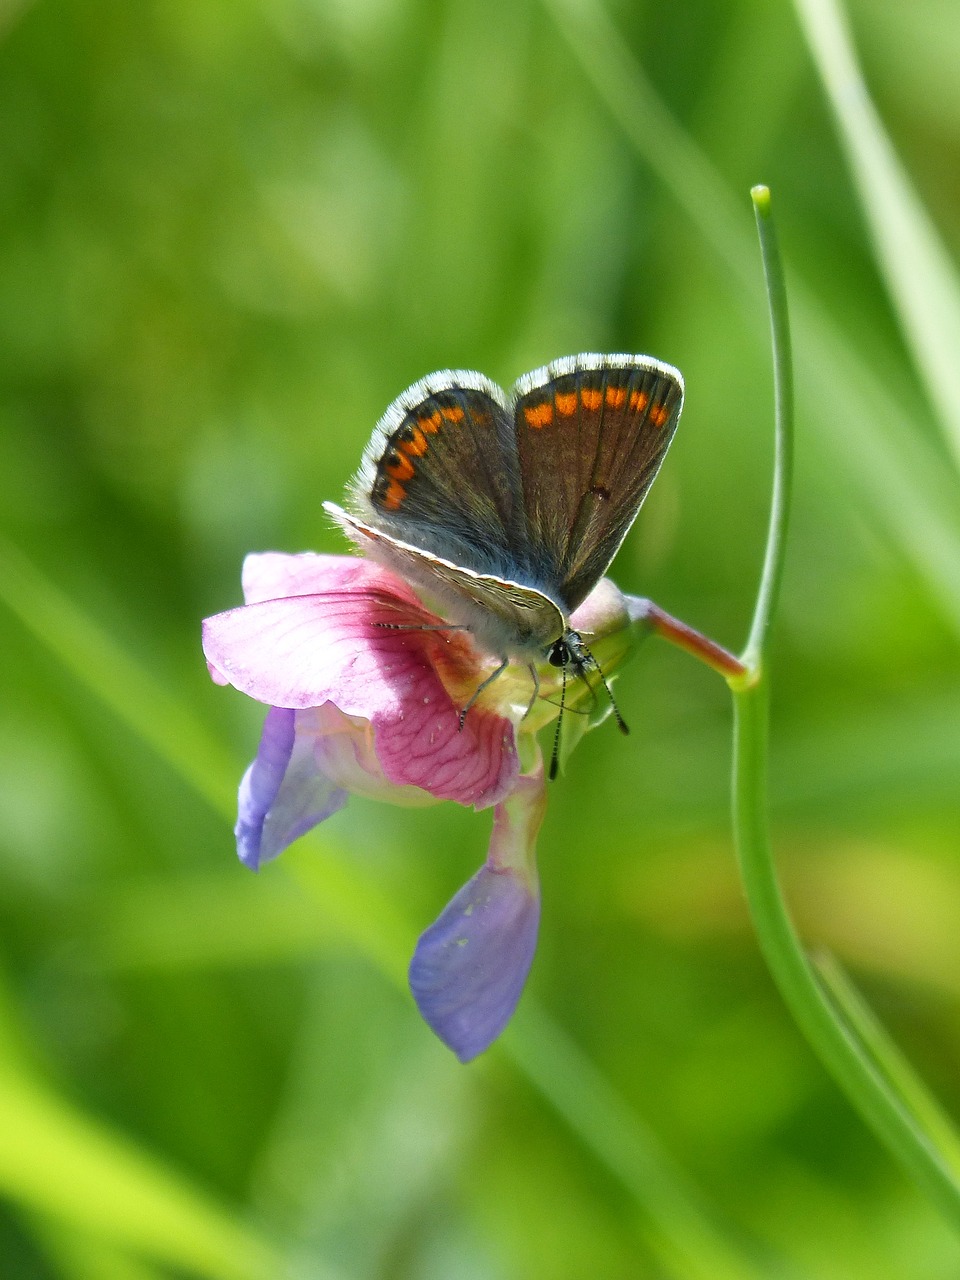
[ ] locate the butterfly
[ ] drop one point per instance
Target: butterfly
(507, 509)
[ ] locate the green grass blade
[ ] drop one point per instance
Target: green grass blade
(78, 1256)
(679, 1229)
(922, 280)
(58, 1161)
(916, 1097)
(130, 692)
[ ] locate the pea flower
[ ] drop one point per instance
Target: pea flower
(364, 686)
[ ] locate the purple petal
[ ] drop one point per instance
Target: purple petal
(470, 966)
(283, 793)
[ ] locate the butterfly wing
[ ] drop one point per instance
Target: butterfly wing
(506, 618)
(591, 432)
(441, 473)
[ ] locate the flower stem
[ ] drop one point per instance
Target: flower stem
(836, 1042)
(685, 637)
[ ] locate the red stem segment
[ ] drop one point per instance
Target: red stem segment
(692, 642)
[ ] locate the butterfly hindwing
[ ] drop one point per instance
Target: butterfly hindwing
(591, 433)
(507, 618)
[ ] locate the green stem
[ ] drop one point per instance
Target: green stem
(773, 559)
(863, 1023)
(834, 1042)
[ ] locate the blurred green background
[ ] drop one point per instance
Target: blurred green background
(230, 234)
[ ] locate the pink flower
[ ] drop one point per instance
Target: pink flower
(365, 687)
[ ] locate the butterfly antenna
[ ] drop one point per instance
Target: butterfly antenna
(621, 723)
(555, 754)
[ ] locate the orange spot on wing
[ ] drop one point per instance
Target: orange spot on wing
(659, 414)
(402, 469)
(639, 401)
(566, 402)
(592, 398)
(616, 396)
(430, 424)
(416, 446)
(452, 413)
(539, 415)
(394, 495)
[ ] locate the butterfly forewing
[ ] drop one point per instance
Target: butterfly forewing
(591, 432)
(441, 473)
(509, 511)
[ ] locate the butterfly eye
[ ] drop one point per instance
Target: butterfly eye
(559, 655)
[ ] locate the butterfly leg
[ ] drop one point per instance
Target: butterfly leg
(420, 626)
(535, 676)
(480, 688)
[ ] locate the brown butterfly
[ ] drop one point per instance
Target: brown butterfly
(506, 510)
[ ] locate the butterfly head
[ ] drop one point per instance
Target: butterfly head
(569, 653)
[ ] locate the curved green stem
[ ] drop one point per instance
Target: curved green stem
(835, 1042)
(773, 559)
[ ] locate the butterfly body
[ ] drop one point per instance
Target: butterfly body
(507, 509)
(506, 618)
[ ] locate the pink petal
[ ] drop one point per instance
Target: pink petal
(274, 575)
(304, 651)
